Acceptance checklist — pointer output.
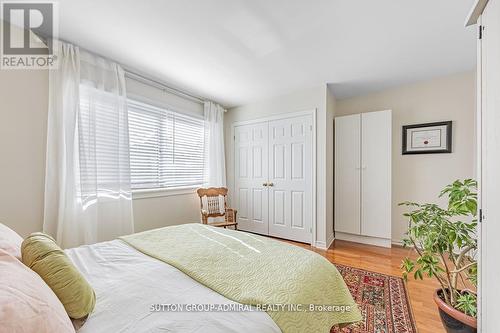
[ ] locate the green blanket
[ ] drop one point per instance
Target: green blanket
(258, 271)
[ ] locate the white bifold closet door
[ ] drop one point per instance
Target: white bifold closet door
(290, 173)
(251, 197)
(273, 178)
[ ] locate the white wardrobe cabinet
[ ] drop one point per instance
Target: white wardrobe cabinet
(363, 158)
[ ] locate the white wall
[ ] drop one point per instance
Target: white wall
(421, 177)
(23, 130)
(314, 98)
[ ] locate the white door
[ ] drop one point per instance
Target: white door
(347, 174)
(290, 178)
(489, 268)
(376, 149)
(251, 173)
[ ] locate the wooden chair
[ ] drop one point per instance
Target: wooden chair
(213, 203)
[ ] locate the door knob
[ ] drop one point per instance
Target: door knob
(270, 184)
(265, 184)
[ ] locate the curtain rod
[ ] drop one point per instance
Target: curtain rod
(160, 85)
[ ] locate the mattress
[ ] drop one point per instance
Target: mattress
(137, 293)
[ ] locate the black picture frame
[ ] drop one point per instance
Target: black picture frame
(449, 133)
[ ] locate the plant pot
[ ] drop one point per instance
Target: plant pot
(454, 321)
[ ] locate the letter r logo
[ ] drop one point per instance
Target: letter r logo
(31, 18)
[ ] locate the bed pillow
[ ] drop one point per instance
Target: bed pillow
(10, 241)
(41, 253)
(27, 304)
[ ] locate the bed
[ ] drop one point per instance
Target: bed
(156, 281)
(186, 278)
(127, 283)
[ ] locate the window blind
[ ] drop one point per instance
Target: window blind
(103, 145)
(166, 147)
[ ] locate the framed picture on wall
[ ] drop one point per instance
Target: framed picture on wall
(429, 138)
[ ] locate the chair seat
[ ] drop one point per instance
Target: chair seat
(222, 224)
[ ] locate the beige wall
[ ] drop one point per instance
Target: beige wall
(314, 98)
(421, 177)
(23, 130)
(157, 212)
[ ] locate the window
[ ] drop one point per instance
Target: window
(166, 147)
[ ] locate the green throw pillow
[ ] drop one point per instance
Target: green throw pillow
(41, 253)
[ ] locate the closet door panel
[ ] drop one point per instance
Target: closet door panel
(376, 147)
(290, 172)
(347, 174)
(251, 172)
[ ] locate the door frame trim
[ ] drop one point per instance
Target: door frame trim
(481, 315)
(313, 113)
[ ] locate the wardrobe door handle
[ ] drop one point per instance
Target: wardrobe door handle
(265, 184)
(270, 184)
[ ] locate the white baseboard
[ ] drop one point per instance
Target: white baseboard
(330, 240)
(397, 242)
(325, 245)
(320, 245)
(384, 242)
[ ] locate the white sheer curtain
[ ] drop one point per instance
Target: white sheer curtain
(87, 186)
(215, 162)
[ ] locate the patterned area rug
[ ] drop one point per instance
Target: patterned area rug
(382, 299)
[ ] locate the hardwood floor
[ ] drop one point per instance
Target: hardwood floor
(387, 261)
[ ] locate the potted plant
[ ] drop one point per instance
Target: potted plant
(444, 240)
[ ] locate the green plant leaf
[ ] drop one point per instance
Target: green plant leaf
(467, 303)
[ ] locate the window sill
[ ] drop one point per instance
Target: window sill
(162, 192)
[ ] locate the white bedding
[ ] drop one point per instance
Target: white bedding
(127, 282)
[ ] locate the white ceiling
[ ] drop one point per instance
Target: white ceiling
(240, 51)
